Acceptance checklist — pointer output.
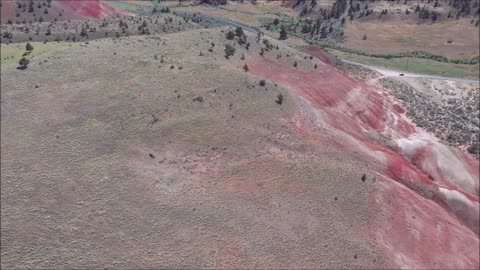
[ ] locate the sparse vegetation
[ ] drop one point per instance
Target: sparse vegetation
(143, 137)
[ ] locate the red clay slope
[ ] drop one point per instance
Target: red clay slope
(70, 9)
(88, 8)
(443, 183)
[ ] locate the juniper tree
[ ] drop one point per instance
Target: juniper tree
(239, 31)
(283, 33)
(29, 47)
(229, 50)
(230, 35)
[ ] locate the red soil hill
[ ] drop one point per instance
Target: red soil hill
(19, 11)
(422, 179)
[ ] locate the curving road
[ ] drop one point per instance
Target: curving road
(384, 71)
(396, 73)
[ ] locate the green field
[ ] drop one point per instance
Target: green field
(124, 6)
(414, 65)
(12, 53)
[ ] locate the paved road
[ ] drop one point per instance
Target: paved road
(396, 73)
(227, 22)
(218, 19)
(384, 71)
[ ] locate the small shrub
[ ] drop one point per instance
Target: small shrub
(245, 67)
(280, 99)
(472, 149)
(7, 34)
(23, 63)
(364, 177)
(262, 83)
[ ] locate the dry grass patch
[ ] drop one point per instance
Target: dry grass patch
(403, 36)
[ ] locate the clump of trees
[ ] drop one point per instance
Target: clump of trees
(163, 10)
(242, 38)
(239, 33)
(268, 45)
